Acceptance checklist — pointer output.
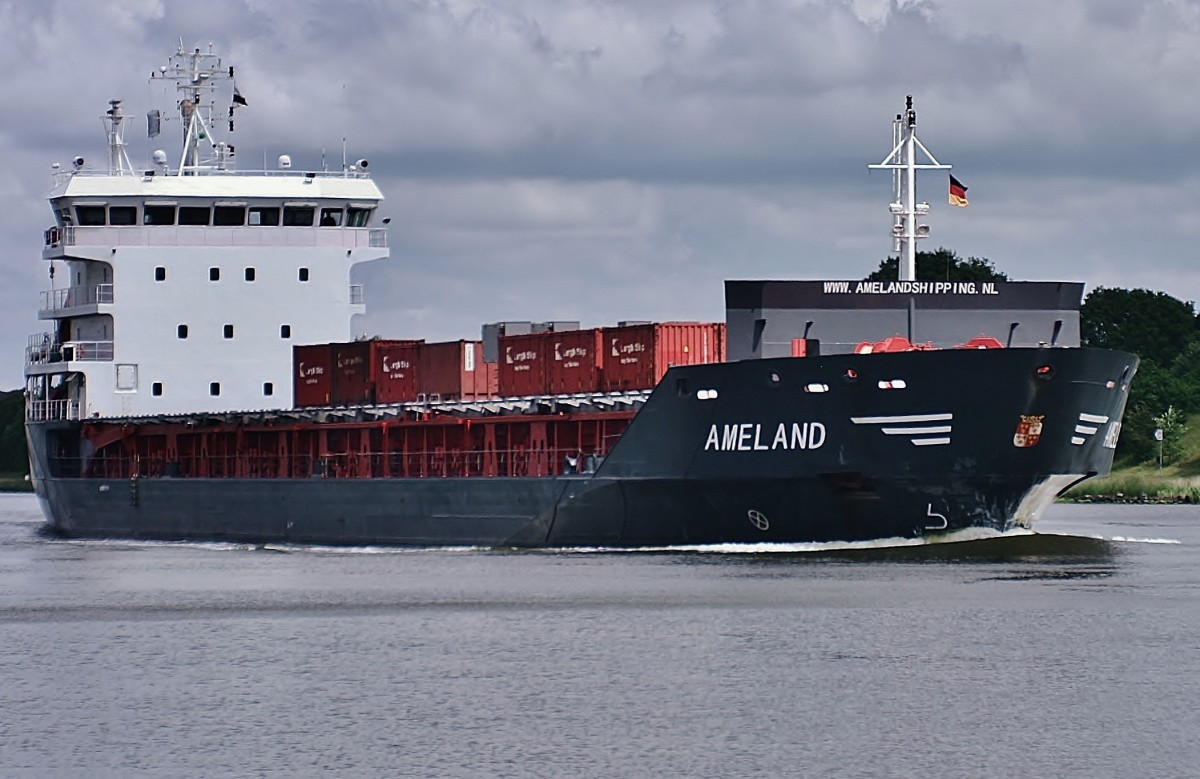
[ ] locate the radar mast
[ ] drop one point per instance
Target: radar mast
(905, 209)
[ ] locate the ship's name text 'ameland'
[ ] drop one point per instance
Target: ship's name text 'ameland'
(757, 437)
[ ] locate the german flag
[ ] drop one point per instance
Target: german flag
(958, 193)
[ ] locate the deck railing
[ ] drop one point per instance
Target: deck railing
(70, 297)
(41, 348)
(210, 235)
(50, 410)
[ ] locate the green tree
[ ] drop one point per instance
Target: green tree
(1171, 423)
(941, 265)
(13, 458)
(1152, 325)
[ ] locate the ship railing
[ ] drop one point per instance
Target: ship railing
(70, 297)
(212, 170)
(432, 464)
(42, 348)
(52, 410)
(213, 235)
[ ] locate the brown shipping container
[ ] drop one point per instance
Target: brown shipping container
(394, 370)
(522, 364)
(312, 372)
(574, 359)
(637, 356)
(352, 374)
(455, 370)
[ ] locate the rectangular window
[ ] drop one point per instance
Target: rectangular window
(285, 331)
(298, 216)
(214, 388)
(158, 215)
(358, 217)
(214, 274)
(331, 217)
(249, 274)
(160, 273)
(229, 331)
(181, 331)
(126, 377)
(304, 274)
(268, 388)
(194, 215)
(156, 388)
(264, 216)
(89, 216)
(229, 216)
(122, 215)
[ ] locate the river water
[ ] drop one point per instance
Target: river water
(1074, 652)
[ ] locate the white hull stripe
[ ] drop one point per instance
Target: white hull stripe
(1077, 440)
(1085, 429)
(915, 430)
(915, 426)
(901, 418)
(1093, 418)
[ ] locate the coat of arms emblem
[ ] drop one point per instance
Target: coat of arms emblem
(1029, 431)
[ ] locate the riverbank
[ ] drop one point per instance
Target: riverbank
(15, 482)
(1139, 484)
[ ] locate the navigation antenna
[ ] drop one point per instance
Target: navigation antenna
(904, 206)
(197, 76)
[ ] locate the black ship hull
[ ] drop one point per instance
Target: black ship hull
(837, 448)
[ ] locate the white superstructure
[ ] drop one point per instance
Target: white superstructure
(183, 287)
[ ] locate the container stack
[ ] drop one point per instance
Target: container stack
(531, 359)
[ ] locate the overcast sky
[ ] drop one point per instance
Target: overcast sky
(617, 159)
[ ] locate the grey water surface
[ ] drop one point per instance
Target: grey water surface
(1074, 652)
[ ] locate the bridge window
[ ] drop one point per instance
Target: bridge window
(89, 216)
(194, 215)
(331, 217)
(264, 216)
(122, 215)
(158, 215)
(358, 217)
(160, 273)
(298, 216)
(229, 216)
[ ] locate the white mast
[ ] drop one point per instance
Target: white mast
(197, 76)
(902, 161)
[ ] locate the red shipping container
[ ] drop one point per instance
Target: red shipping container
(574, 360)
(455, 370)
(312, 383)
(522, 365)
(352, 374)
(395, 370)
(637, 356)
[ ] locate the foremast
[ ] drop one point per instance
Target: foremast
(905, 209)
(198, 77)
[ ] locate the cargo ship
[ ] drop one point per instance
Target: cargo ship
(199, 380)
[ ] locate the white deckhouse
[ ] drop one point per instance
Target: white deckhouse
(182, 287)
